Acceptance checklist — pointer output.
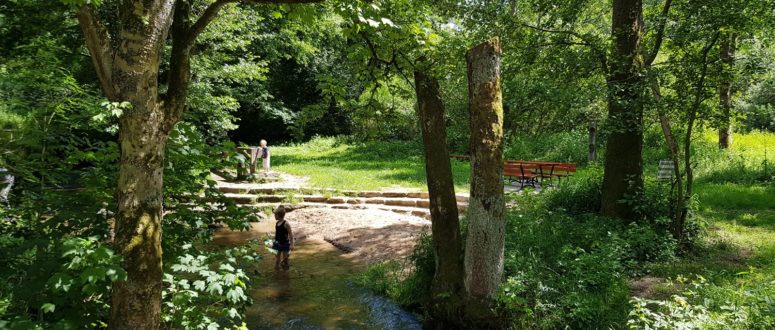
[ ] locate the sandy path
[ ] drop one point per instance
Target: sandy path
(367, 235)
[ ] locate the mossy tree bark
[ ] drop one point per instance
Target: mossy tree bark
(133, 72)
(726, 90)
(486, 222)
(127, 65)
(445, 227)
(623, 173)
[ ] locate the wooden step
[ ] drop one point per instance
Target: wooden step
(413, 211)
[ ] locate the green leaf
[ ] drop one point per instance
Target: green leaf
(93, 274)
(199, 285)
(48, 308)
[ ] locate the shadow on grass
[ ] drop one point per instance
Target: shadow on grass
(735, 196)
(717, 260)
(753, 219)
(736, 241)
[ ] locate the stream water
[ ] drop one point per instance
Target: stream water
(316, 292)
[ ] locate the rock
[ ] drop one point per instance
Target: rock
(421, 195)
(401, 202)
(394, 194)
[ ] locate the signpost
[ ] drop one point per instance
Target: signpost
(666, 168)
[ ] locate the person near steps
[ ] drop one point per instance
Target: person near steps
(265, 156)
(283, 239)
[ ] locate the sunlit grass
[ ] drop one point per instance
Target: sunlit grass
(736, 196)
(335, 163)
(737, 252)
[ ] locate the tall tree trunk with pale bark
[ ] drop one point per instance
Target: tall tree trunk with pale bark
(129, 72)
(623, 174)
(486, 220)
(445, 226)
(726, 90)
(127, 65)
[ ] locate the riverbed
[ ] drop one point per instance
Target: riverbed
(317, 292)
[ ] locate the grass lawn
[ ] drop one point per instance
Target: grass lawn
(739, 245)
(740, 236)
(737, 252)
(334, 163)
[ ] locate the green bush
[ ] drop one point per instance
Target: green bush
(704, 306)
(567, 266)
(408, 285)
(563, 271)
(62, 280)
(749, 160)
(579, 194)
(568, 147)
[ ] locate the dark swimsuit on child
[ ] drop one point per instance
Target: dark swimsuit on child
(281, 241)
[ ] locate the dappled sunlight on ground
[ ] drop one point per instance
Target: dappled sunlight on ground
(316, 291)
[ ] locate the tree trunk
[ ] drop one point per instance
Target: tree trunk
(486, 222)
(445, 226)
(136, 302)
(678, 204)
(127, 64)
(726, 90)
(623, 176)
(680, 226)
(592, 156)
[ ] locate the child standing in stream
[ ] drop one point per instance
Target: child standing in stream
(283, 239)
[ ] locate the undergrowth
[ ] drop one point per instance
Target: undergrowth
(566, 267)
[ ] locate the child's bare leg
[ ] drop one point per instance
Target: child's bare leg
(286, 262)
(277, 260)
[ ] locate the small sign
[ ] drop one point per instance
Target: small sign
(666, 168)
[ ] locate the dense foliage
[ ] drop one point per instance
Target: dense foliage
(335, 79)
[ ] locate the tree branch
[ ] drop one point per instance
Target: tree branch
(599, 53)
(183, 39)
(98, 43)
(660, 33)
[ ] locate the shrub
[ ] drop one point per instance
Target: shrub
(563, 271)
(571, 147)
(579, 194)
(408, 285)
(749, 160)
(704, 306)
(567, 266)
(67, 278)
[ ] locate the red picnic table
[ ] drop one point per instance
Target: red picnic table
(531, 173)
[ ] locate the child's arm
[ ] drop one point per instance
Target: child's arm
(290, 233)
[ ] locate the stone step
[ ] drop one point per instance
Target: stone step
(394, 201)
(238, 188)
(413, 211)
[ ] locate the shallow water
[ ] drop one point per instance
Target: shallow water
(315, 293)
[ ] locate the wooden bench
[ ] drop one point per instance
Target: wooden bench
(564, 170)
(525, 173)
(530, 172)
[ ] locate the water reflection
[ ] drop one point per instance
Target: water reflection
(314, 293)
